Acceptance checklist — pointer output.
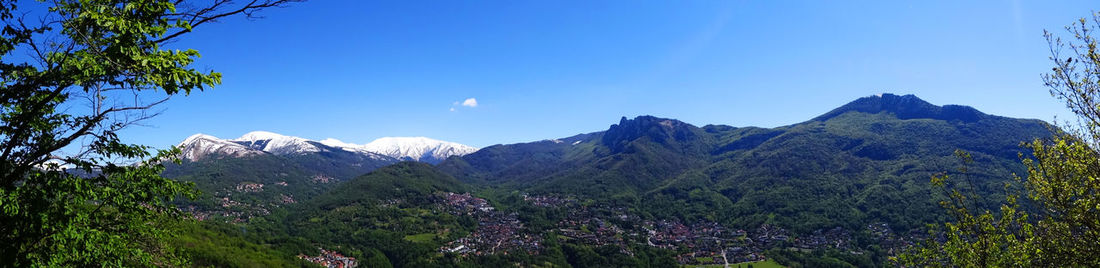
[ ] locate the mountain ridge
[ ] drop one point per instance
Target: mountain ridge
(200, 146)
(421, 149)
(888, 141)
(906, 106)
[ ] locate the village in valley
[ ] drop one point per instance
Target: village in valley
(503, 232)
(500, 232)
(496, 233)
(330, 259)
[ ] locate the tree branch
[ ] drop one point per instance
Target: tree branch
(210, 14)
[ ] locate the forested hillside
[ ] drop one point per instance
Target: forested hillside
(867, 161)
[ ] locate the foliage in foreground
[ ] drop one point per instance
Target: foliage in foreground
(70, 79)
(1062, 183)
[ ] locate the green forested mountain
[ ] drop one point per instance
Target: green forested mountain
(867, 161)
(645, 192)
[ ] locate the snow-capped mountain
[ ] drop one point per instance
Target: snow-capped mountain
(200, 146)
(410, 148)
(420, 149)
(277, 144)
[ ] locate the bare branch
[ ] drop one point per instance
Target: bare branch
(220, 9)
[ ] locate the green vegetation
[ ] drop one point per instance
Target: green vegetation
(820, 258)
(1063, 227)
(420, 238)
(760, 264)
(849, 169)
(217, 178)
(392, 216)
(866, 162)
(765, 264)
(386, 215)
(217, 245)
(99, 211)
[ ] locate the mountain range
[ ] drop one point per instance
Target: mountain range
(420, 149)
(865, 163)
(261, 171)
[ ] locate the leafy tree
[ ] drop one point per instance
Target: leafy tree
(980, 239)
(1064, 229)
(72, 74)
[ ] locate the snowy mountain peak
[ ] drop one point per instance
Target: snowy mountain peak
(277, 143)
(418, 148)
(421, 149)
(196, 137)
(199, 146)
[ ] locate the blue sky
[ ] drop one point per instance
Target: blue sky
(359, 70)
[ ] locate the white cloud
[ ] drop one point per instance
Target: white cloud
(471, 102)
(452, 109)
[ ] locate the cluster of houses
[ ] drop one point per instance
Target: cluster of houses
(703, 242)
(233, 210)
(768, 234)
(497, 232)
(250, 187)
(892, 242)
(322, 179)
(222, 215)
(706, 242)
(838, 238)
(287, 199)
(465, 202)
(331, 259)
(226, 202)
(584, 226)
(548, 201)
